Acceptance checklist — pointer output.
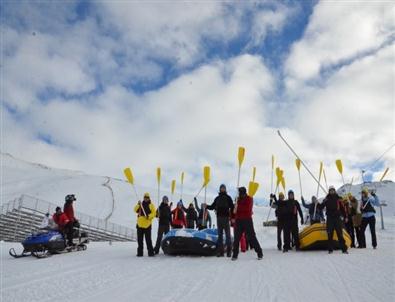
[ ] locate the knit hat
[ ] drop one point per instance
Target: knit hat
(222, 186)
(290, 192)
(281, 194)
(332, 188)
(146, 195)
(365, 190)
(165, 198)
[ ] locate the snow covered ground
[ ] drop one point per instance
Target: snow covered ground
(113, 273)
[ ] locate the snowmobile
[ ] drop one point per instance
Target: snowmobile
(190, 242)
(45, 243)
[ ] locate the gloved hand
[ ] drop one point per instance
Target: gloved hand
(272, 195)
(195, 199)
(139, 202)
(373, 193)
(302, 221)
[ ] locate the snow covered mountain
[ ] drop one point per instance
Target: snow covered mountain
(99, 196)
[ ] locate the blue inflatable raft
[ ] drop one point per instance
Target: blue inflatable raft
(190, 242)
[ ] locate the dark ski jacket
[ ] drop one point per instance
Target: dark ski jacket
(223, 205)
(334, 206)
(297, 210)
(191, 214)
(286, 209)
(164, 214)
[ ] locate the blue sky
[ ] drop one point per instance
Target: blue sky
(95, 86)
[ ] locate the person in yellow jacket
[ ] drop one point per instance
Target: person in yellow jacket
(145, 214)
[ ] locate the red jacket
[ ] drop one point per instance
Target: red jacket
(61, 220)
(69, 211)
(244, 208)
(178, 218)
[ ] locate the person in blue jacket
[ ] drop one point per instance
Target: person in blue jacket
(315, 212)
(368, 216)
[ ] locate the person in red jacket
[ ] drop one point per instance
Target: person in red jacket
(68, 208)
(244, 224)
(179, 220)
(64, 224)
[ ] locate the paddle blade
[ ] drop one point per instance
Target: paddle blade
(385, 173)
(182, 178)
(206, 175)
(173, 186)
(278, 171)
(129, 175)
(339, 166)
(158, 174)
(321, 168)
(297, 163)
(253, 173)
(252, 188)
(240, 155)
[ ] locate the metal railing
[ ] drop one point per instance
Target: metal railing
(35, 205)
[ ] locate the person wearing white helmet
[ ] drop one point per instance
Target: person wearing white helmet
(334, 210)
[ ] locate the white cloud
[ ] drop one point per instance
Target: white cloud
(339, 31)
(202, 116)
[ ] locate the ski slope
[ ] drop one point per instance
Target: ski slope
(113, 273)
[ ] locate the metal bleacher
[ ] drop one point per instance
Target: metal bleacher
(23, 215)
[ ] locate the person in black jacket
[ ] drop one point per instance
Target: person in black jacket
(280, 227)
(191, 216)
(315, 211)
(334, 210)
(223, 205)
(285, 213)
(164, 215)
(295, 223)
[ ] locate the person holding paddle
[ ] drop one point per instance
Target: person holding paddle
(146, 212)
(368, 216)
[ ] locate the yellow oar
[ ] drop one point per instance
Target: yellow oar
(385, 173)
(158, 178)
(129, 176)
(173, 188)
(297, 162)
(253, 173)
(182, 184)
(319, 178)
(206, 179)
(252, 188)
(240, 157)
(339, 166)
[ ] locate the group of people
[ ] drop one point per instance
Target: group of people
(238, 214)
(341, 212)
(63, 221)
